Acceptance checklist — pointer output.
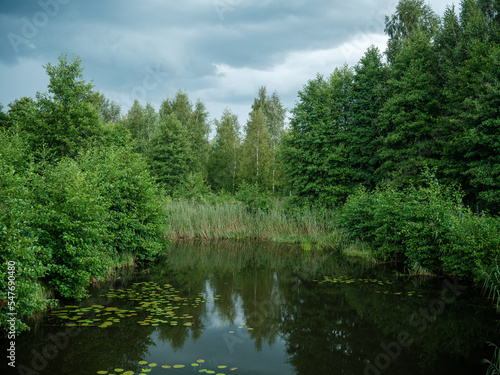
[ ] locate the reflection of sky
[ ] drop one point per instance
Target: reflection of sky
(219, 347)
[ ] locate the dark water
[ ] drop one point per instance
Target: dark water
(263, 309)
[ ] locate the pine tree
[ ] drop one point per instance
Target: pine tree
(410, 116)
(315, 152)
(363, 136)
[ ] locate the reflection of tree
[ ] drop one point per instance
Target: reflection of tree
(322, 330)
(328, 328)
(261, 304)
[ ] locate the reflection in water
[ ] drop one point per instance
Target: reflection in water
(265, 309)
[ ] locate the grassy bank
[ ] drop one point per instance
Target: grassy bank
(230, 219)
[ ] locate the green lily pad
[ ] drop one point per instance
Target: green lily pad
(118, 370)
(128, 373)
(152, 365)
(143, 363)
(222, 366)
(200, 361)
(179, 366)
(102, 372)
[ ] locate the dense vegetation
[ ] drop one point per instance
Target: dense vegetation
(400, 152)
(76, 199)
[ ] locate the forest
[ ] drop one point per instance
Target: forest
(396, 158)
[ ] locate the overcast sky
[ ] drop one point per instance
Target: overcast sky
(220, 51)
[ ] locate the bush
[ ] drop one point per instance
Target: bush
(18, 238)
(424, 227)
(253, 198)
(137, 207)
(71, 219)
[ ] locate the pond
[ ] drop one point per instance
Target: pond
(251, 308)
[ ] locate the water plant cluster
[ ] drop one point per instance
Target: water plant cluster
(198, 366)
(157, 304)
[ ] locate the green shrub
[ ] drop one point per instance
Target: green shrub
(136, 206)
(424, 227)
(71, 219)
(18, 238)
(253, 198)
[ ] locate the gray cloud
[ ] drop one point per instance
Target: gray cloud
(220, 50)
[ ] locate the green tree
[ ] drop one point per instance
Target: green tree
(410, 116)
(134, 120)
(256, 155)
(195, 121)
(224, 160)
(67, 120)
(315, 153)
(363, 136)
(170, 154)
(142, 123)
(275, 115)
(4, 118)
(21, 111)
(199, 130)
(109, 111)
(180, 105)
(410, 16)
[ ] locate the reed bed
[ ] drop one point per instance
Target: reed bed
(231, 220)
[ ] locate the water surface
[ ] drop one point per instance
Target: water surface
(248, 308)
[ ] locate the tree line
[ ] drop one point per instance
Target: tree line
(432, 104)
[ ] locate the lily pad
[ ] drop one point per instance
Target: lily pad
(118, 370)
(153, 365)
(179, 366)
(102, 372)
(143, 363)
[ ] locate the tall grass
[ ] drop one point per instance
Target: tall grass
(229, 219)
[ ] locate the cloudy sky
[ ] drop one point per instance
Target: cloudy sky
(220, 51)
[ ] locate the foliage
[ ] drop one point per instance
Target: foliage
(224, 157)
(314, 150)
(65, 120)
(136, 206)
(75, 200)
(71, 221)
(170, 155)
(409, 117)
(256, 152)
(254, 199)
(109, 111)
(425, 226)
(18, 237)
(194, 121)
(275, 114)
(142, 123)
(411, 16)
